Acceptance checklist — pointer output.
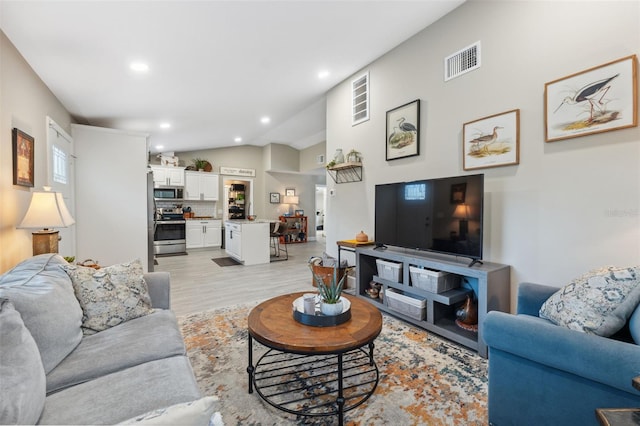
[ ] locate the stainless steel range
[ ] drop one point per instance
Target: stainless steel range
(169, 237)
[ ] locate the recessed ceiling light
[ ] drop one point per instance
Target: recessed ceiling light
(139, 67)
(238, 140)
(165, 125)
(159, 146)
(265, 120)
(323, 74)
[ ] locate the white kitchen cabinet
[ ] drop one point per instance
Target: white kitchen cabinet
(168, 176)
(203, 233)
(201, 186)
(247, 242)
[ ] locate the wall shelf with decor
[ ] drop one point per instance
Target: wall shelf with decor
(490, 282)
(346, 172)
(296, 231)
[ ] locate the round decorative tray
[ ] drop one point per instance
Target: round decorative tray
(320, 320)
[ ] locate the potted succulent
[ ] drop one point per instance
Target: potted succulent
(199, 163)
(330, 301)
(353, 156)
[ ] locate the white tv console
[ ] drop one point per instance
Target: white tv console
(489, 281)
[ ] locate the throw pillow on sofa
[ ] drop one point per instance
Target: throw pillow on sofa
(111, 295)
(22, 380)
(198, 412)
(599, 302)
(44, 296)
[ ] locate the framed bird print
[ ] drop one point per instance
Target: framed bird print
(596, 100)
(492, 141)
(403, 131)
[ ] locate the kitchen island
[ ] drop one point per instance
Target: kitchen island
(247, 241)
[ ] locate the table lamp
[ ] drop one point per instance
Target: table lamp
(291, 200)
(47, 210)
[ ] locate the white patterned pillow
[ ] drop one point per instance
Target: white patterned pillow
(111, 295)
(599, 302)
(198, 412)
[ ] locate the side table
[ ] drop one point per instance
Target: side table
(351, 246)
(313, 371)
(620, 416)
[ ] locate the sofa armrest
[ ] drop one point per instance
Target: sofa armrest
(159, 289)
(531, 297)
(607, 361)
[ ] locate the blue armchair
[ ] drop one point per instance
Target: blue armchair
(543, 374)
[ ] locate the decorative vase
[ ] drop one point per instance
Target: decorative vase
(362, 237)
(331, 309)
(468, 313)
(339, 156)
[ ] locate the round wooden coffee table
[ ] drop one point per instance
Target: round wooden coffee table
(313, 371)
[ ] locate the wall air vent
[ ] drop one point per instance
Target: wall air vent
(461, 62)
(360, 99)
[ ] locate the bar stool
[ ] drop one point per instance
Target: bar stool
(277, 230)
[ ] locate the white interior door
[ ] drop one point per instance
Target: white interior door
(61, 178)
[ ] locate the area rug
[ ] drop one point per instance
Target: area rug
(424, 379)
(226, 261)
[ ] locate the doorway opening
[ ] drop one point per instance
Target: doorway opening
(238, 198)
(320, 212)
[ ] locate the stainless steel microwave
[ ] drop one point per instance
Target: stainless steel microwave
(167, 193)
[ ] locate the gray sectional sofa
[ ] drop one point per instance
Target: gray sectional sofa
(50, 373)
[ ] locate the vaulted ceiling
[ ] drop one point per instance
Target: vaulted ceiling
(215, 68)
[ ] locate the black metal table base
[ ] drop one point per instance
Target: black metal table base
(314, 385)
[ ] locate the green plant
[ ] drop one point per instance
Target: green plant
(331, 163)
(355, 153)
(329, 293)
(69, 259)
(199, 163)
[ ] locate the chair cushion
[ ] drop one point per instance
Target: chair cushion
(42, 293)
(22, 380)
(599, 302)
(111, 295)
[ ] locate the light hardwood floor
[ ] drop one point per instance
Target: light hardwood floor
(199, 284)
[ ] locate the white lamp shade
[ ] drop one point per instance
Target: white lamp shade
(47, 210)
(291, 199)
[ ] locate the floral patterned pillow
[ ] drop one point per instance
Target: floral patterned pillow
(111, 295)
(599, 302)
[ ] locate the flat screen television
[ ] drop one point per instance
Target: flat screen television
(442, 215)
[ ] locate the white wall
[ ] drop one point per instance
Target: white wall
(569, 206)
(111, 194)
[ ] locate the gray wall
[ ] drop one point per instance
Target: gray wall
(569, 206)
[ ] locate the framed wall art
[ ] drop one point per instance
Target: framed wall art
(458, 193)
(492, 141)
(289, 192)
(23, 150)
(596, 100)
(274, 198)
(403, 131)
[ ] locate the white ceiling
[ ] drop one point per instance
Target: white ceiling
(216, 67)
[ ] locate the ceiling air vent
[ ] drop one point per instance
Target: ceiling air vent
(461, 62)
(360, 99)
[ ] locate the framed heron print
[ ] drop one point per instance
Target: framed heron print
(403, 131)
(491, 141)
(596, 100)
